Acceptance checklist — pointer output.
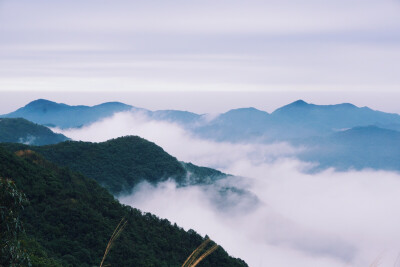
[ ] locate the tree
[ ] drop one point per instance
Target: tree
(12, 202)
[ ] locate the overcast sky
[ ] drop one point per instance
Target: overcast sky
(318, 50)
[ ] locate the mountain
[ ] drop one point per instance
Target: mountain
(175, 116)
(23, 131)
(120, 164)
(60, 115)
(356, 148)
(295, 120)
(301, 119)
(70, 218)
(53, 114)
(235, 125)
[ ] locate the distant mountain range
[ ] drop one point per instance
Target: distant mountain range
(342, 136)
(26, 132)
(296, 120)
(357, 148)
(53, 114)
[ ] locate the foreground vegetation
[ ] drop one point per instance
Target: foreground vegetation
(69, 219)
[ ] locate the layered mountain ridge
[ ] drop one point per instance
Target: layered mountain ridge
(321, 129)
(295, 120)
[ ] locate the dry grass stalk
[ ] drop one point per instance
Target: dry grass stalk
(205, 254)
(194, 254)
(118, 230)
(195, 259)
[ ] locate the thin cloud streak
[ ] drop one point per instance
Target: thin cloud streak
(138, 46)
(272, 16)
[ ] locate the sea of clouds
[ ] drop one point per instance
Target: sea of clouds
(288, 217)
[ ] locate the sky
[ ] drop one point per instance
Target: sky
(194, 55)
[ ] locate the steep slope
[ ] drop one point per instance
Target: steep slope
(356, 148)
(71, 218)
(120, 164)
(49, 113)
(23, 131)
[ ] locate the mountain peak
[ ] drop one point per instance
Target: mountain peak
(293, 106)
(299, 102)
(47, 112)
(113, 104)
(40, 101)
(43, 103)
(345, 106)
(245, 110)
(244, 114)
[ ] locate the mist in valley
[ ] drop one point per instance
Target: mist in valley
(283, 215)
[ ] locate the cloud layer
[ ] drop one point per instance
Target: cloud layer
(290, 218)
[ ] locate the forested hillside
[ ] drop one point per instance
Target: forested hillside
(70, 218)
(120, 164)
(22, 131)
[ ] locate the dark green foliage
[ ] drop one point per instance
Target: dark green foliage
(120, 164)
(11, 205)
(71, 218)
(23, 131)
(37, 255)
